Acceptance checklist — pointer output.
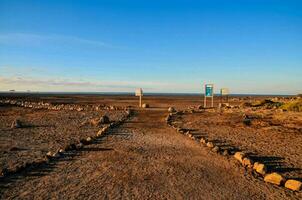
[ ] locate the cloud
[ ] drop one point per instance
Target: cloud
(39, 39)
(35, 84)
(57, 82)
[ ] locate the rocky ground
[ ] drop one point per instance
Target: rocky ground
(42, 131)
(272, 137)
(144, 158)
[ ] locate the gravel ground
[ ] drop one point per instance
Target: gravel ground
(44, 131)
(142, 159)
(275, 138)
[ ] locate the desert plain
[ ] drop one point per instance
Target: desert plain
(80, 146)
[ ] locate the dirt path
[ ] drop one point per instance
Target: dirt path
(142, 159)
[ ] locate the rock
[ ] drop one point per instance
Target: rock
(274, 178)
(171, 109)
(293, 185)
(79, 145)
(49, 154)
(247, 162)
(104, 120)
(225, 152)
(260, 168)
(210, 144)
(203, 141)
(16, 124)
(247, 122)
(239, 156)
(145, 105)
(61, 151)
(100, 133)
(55, 155)
(216, 149)
(89, 139)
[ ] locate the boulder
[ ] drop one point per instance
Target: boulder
(274, 178)
(260, 168)
(239, 156)
(145, 105)
(293, 185)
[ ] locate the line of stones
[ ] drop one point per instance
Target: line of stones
(51, 156)
(49, 106)
(245, 161)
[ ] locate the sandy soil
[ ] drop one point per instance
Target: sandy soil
(143, 159)
(44, 131)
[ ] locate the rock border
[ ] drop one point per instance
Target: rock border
(256, 168)
(50, 156)
(50, 106)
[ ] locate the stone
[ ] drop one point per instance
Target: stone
(210, 144)
(100, 133)
(239, 156)
(274, 178)
(216, 149)
(61, 151)
(145, 105)
(55, 155)
(247, 162)
(225, 152)
(247, 122)
(89, 139)
(49, 154)
(16, 124)
(203, 141)
(199, 107)
(79, 145)
(293, 185)
(171, 109)
(104, 120)
(260, 168)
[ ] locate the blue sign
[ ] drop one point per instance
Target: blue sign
(209, 90)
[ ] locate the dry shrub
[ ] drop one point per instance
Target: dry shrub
(295, 106)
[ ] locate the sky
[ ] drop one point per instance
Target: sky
(248, 46)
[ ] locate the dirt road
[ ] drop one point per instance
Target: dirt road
(142, 159)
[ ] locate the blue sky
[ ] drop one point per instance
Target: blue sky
(249, 46)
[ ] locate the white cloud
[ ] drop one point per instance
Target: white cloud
(39, 39)
(34, 84)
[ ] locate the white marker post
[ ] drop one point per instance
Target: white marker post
(209, 92)
(139, 93)
(224, 92)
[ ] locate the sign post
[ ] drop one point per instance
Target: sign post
(139, 93)
(224, 92)
(209, 92)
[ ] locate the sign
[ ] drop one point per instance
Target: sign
(139, 92)
(224, 91)
(209, 90)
